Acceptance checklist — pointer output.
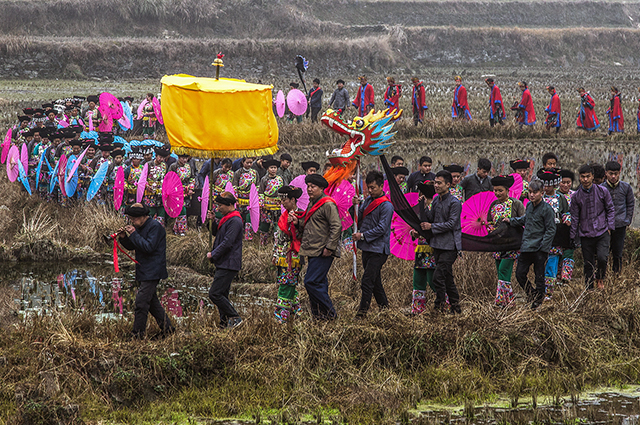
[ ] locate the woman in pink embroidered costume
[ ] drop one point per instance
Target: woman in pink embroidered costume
(566, 268)
(132, 176)
(504, 207)
(242, 181)
(188, 177)
(285, 255)
(269, 200)
(157, 169)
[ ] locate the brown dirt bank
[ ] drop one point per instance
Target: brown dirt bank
(392, 50)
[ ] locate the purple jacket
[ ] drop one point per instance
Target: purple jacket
(592, 212)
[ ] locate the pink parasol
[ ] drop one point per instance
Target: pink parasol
(204, 199)
(63, 124)
(140, 112)
(62, 168)
(124, 120)
(297, 102)
(24, 157)
(112, 104)
(280, 103)
(157, 110)
(516, 190)
(172, 194)
(229, 188)
(6, 145)
(118, 188)
(343, 195)
(254, 207)
(142, 182)
(106, 123)
(76, 164)
(13, 158)
(474, 214)
(90, 119)
(303, 201)
(402, 244)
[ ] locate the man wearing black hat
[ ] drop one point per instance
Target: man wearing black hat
(340, 98)
(226, 256)
(149, 240)
(522, 167)
(23, 126)
(310, 167)
(320, 228)
(285, 168)
(315, 100)
(373, 237)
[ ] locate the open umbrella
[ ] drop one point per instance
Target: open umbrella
(54, 177)
(126, 121)
(280, 103)
(343, 195)
(76, 164)
(118, 188)
(204, 199)
(110, 103)
(23, 177)
(106, 123)
(97, 180)
(474, 214)
(70, 179)
(297, 102)
(254, 207)
(402, 244)
(157, 110)
(229, 188)
(172, 194)
(13, 158)
(24, 157)
(142, 182)
(63, 124)
(516, 189)
(60, 177)
(39, 167)
(89, 135)
(6, 145)
(303, 201)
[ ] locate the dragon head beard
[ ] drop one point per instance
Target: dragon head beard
(368, 135)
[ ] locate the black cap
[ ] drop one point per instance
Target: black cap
(454, 168)
(22, 118)
(549, 177)
(316, 179)
(504, 181)
(400, 170)
(427, 189)
(137, 210)
(290, 192)
(270, 163)
(519, 164)
(162, 151)
(105, 147)
(93, 98)
(286, 157)
(310, 164)
(567, 174)
(117, 152)
(75, 142)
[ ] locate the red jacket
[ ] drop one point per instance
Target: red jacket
(460, 107)
(392, 97)
(529, 114)
(419, 100)
(363, 101)
(554, 110)
(495, 97)
(616, 119)
(587, 118)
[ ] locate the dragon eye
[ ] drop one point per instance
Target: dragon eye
(359, 123)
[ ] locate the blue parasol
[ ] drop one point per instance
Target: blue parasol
(89, 135)
(97, 180)
(23, 177)
(39, 168)
(70, 185)
(54, 177)
(127, 113)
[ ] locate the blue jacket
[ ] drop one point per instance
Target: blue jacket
(227, 247)
(375, 227)
(444, 217)
(150, 245)
(623, 201)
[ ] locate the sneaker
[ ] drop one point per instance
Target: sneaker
(234, 322)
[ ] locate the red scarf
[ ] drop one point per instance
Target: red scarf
(374, 204)
(290, 230)
(227, 217)
(315, 207)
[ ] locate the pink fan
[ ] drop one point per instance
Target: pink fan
(124, 120)
(76, 164)
(118, 188)
(254, 207)
(6, 145)
(62, 168)
(343, 195)
(303, 201)
(90, 119)
(140, 112)
(112, 104)
(229, 188)
(24, 157)
(204, 199)
(516, 190)
(157, 110)
(63, 124)
(12, 163)
(142, 183)
(297, 102)
(474, 214)
(401, 244)
(172, 194)
(280, 103)
(106, 123)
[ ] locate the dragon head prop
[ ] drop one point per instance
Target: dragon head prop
(368, 135)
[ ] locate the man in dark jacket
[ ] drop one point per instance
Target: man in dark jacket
(227, 257)
(539, 231)
(149, 240)
(374, 216)
(443, 219)
(592, 219)
(624, 203)
(315, 100)
(478, 182)
(340, 98)
(423, 173)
